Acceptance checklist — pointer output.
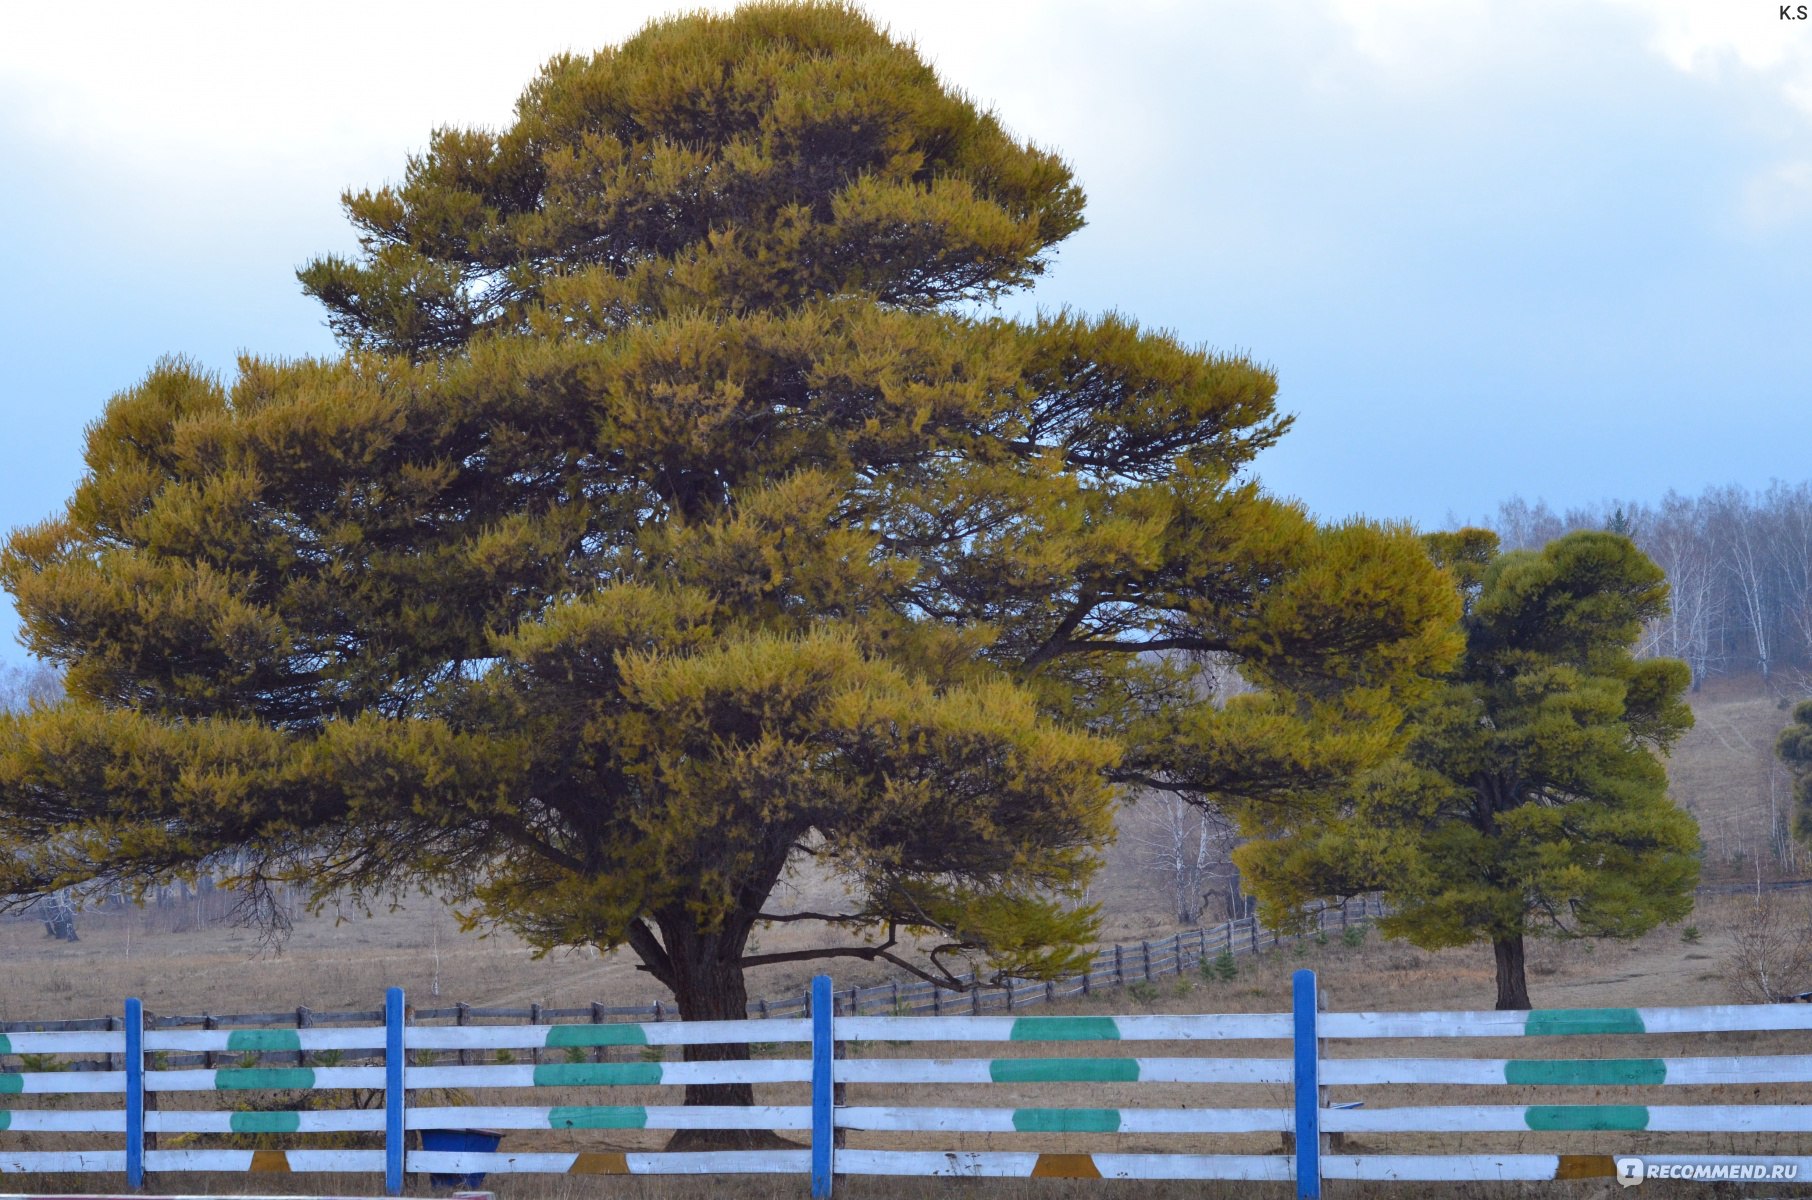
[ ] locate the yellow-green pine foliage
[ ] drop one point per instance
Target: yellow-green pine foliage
(676, 515)
(1532, 799)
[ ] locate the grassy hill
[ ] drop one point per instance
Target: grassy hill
(1725, 773)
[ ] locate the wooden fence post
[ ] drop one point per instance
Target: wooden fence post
(597, 1018)
(207, 1057)
(462, 1015)
(1119, 967)
(304, 1020)
(1145, 953)
(534, 1018)
(149, 1022)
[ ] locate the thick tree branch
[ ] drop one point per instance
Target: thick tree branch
(1197, 644)
(1060, 636)
(834, 918)
(883, 953)
(653, 955)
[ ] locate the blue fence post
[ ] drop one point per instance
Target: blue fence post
(395, 1059)
(822, 1058)
(1307, 1086)
(135, 1094)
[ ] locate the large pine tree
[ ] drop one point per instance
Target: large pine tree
(677, 513)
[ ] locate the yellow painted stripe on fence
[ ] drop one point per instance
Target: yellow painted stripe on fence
(1585, 1166)
(272, 1161)
(600, 1162)
(1066, 1166)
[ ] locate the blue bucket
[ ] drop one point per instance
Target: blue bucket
(482, 1141)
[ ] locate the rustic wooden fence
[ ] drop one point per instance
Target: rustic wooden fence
(426, 1075)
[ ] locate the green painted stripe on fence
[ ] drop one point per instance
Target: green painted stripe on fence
(605, 1116)
(6, 1044)
(11, 1085)
(266, 1122)
(1625, 1117)
(1064, 1070)
(236, 1079)
(6, 1119)
(264, 1039)
(595, 1035)
(1065, 1029)
(1066, 1120)
(1545, 1021)
(1586, 1072)
(591, 1074)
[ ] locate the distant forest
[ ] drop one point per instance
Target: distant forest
(1740, 563)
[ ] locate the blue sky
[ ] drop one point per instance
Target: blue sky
(1490, 246)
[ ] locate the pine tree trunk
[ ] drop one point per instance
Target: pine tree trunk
(708, 985)
(1512, 983)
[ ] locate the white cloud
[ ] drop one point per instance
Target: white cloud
(1707, 37)
(1419, 43)
(152, 83)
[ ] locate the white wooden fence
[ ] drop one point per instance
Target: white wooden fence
(268, 1091)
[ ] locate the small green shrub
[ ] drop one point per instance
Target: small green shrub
(1691, 935)
(1221, 966)
(1144, 993)
(1353, 936)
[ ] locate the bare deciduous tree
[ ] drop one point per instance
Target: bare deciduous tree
(1790, 541)
(1674, 534)
(1187, 847)
(1770, 959)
